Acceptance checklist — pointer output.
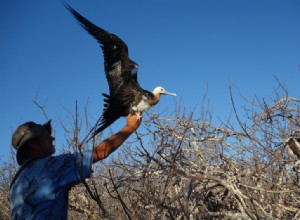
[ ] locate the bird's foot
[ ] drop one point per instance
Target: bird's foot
(138, 115)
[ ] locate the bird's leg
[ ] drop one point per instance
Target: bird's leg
(138, 115)
(136, 112)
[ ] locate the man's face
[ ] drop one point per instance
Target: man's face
(47, 146)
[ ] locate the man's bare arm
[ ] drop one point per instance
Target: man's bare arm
(109, 145)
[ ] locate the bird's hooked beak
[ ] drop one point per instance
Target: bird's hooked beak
(161, 91)
(168, 93)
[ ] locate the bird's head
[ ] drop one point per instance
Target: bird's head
(161, 91)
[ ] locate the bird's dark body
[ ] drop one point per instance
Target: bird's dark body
(121, 73)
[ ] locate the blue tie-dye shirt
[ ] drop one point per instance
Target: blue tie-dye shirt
(41, 189)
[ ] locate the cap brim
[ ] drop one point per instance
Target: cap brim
(48, 127)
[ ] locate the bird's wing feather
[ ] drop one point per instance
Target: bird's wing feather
(111, 113)
(115, 108)
(121, 73)
(116, 61)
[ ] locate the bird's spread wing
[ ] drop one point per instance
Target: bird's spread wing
(121, 73)
(118, 67)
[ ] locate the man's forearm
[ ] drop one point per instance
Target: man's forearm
(109, 145)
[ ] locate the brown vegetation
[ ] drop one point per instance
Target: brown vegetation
(186, 167)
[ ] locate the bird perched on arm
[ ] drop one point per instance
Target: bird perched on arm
(125, 94)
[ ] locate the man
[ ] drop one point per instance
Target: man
(40, 188)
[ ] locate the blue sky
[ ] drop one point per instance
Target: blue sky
(185, 46)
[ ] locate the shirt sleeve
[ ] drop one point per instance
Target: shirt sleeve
(74, 168)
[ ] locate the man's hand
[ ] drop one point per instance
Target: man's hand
(133, 122)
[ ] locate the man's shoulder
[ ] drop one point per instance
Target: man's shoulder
(54, 160)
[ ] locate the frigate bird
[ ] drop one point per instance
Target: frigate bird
(125, 94)
(293, 147)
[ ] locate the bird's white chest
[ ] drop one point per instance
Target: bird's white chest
(142, 105)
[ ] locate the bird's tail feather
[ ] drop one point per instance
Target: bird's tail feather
(106, 119)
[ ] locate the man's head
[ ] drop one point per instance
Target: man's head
(33, 140)
(27, 131)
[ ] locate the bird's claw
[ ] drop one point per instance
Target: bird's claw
(138, 115)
